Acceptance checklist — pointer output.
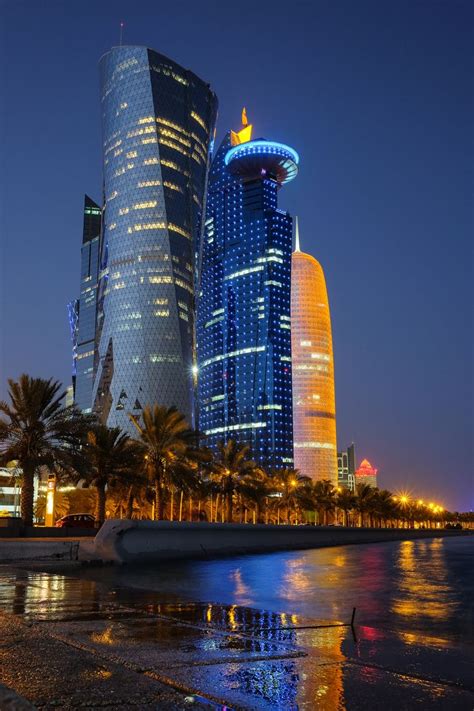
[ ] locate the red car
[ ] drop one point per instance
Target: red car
(80, 520)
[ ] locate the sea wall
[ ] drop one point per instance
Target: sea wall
(147, 541)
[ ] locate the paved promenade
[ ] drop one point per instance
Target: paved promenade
(72, 643)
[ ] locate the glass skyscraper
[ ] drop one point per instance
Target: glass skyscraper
(158, 123)
(314, 406)
(82, 312)
(244, 332)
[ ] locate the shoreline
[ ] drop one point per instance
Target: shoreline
(135, 542)
(140, 543)
(123, 647)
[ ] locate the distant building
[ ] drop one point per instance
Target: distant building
(314, 406)
(82, 312)
(366, 474)
(244, 331)
(10, 491)
(346, 468)
(69, 399)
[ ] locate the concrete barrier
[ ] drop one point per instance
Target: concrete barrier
(18, 549)
(146, 541)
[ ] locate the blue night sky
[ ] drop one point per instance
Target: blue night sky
(376, 96)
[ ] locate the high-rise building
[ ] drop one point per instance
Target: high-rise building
(244, 332)
(314, 407)
(366, 473)
(346, 468)
(158, 124)
(82, 311)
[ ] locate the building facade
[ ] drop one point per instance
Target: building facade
(346, 468)
(82, 312)
(366, 474)
(314, 406)
(158, 123)
(244, 331)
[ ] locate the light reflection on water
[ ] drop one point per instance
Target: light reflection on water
(422, 585)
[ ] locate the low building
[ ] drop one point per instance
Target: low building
(10, 490)
(366, 474)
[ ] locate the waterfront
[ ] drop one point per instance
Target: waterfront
(404, 585)
(246, 632)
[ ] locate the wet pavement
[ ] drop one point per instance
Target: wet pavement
(74, 643)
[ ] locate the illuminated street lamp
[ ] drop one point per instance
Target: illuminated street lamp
(50, 500)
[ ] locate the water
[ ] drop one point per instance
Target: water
(424, 587)
(245, 632)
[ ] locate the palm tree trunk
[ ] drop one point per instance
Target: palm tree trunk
(216, 508)
(190, 508)
(100, 516)
(172, 505)
(27, 493)
(181, 506)
(130, 500)
(159, 503)
(229, 507)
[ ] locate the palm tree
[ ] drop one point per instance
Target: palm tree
(364, 501)
(255, 488)
(39, 431)
(293, 487)
(324, 494)
(169, 443)
(384, 506)
(111, 456)
(230, 465)
(346, 501)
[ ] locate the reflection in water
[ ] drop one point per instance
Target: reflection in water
(242, 592)
(423, 587)
(422, 591)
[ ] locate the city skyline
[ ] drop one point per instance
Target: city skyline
(372, 396)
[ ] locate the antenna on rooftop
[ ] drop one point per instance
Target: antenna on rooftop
(122, 25)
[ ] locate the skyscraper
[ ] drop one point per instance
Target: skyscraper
(346, 468)
(158, 123)
(244, 332)
(82, 312)
(314, 407)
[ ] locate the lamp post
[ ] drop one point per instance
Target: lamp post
(50, 500)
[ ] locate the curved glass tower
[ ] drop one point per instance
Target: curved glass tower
(244, 332)
(314, 406)
(158, 122)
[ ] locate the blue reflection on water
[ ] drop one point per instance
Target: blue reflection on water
(424, 585)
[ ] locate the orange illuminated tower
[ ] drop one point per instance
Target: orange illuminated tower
(314, 407)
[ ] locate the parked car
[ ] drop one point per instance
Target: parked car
(79, 520)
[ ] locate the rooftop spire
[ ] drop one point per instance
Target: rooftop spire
(297, 237)
(245, 133)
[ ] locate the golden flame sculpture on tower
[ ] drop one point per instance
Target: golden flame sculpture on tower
(245, 133)
(314, 406)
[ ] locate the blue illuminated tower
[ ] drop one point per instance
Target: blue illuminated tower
(244, 332)
(157, 122)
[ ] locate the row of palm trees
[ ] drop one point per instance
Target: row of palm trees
(166, 472)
